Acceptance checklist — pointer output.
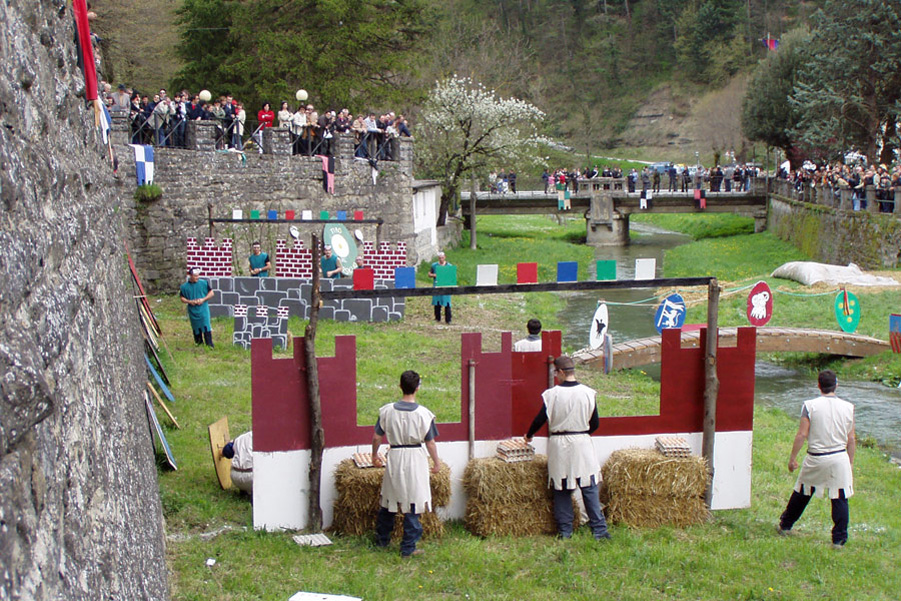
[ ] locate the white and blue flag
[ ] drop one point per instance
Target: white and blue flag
(143, 163)
(106, 123)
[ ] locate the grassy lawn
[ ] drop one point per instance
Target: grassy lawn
(736, 556)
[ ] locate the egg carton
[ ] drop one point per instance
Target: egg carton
(515, 450)
(672, 446)
(364, 460)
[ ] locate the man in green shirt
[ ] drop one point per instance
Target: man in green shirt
(195, 293)
(331, 265)
(259, 262)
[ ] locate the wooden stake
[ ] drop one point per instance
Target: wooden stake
(317, 434)
(711, 383)
(156, 395)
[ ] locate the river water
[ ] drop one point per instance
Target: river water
(877, 407)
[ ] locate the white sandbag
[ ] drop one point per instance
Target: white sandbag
(809, 273)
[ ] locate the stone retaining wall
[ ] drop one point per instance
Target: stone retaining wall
(837, 236)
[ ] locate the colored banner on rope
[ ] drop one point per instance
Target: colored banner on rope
(606, 270)
(364, 278)
(567, 271)
(645, 269)
(894, 326)
(527, 273)
(486, 275)
(404, 277)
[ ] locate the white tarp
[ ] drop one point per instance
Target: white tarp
(809, 273)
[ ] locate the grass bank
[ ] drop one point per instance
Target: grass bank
(736, 556)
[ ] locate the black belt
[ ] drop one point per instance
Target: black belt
(406, 446)
(568, 433)
(826, 453)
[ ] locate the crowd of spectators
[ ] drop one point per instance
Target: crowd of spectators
(855, 177)
(161, 120)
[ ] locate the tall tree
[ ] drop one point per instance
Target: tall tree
(465, 128)
(767, 114)
(849, 89)
(342, 51)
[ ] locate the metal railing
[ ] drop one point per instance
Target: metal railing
(862, 198)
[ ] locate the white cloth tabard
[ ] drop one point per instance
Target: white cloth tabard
(527, 346)
(831, 420)
(242, 462)
(570, 456)
(406, 480)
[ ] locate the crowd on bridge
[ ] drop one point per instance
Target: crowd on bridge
(857, 178)
(161, 120)
(652, 178)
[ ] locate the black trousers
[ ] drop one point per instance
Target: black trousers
(447, 313)
(797, 503)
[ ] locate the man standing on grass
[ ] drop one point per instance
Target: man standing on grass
(195, 293)
(405, 486)
(827, 424)
(571, 412)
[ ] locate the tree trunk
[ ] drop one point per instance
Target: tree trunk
(447, 197)
(317, 435)
(887, 156)
(473, 189)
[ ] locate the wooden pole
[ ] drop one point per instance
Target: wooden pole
(317, 435)
(472, 211)
(472, 409)
(711, 383)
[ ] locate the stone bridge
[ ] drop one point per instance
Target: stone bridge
(644, 351)
(607, 206)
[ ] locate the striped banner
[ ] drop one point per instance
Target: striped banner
(894, 326)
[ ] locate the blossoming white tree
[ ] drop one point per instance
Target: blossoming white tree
(466, 128)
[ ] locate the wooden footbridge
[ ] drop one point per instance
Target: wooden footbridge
(644, 351)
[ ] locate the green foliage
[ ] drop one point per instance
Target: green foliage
(731, 259)
(850, 86)
(711, 225)
(344, 52)
(148, 193)
(767, 113)
(709, 46)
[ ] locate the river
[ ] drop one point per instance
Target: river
(877, 407)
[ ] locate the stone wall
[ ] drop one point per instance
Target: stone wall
(837, 236)
(80, 514)
(198, 185)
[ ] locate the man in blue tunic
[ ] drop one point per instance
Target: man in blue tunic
(195, 293)
(259, 262)
(442, 300)
(330, 264)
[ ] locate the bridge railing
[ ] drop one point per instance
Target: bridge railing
(867, 198)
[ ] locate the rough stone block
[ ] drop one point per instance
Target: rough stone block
(247, 286)
(240, 324)
(379, 314)
(280, 341)
(250, 301)
(342, 315)
(327, 313)
(394, 316)
(268, 283)
(225, 284)
(256, 331)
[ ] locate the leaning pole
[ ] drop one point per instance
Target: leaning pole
(711, 383)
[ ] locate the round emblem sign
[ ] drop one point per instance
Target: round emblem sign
(342, 243)
(760, 304)
(670, 313)
(847, 311)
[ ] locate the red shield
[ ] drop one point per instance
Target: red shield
(760, 304)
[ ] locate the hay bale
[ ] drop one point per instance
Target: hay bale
(508, 498)
(359, 491)
(643, 488)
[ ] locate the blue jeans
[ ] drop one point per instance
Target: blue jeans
(564, 516)
(384, 524)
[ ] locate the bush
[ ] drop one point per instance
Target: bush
(148, 193)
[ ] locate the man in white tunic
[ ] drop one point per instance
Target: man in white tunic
(405, 487)
(531, 344)
(240, 451)
(827, 424)
(571, 412)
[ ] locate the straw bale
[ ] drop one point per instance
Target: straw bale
(359, 491)
(631, 472)
(508, 499)
(651, 511)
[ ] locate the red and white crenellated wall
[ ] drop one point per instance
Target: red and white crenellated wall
(384, 260)
(213, 261)
(508, 389)
(296, 261)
